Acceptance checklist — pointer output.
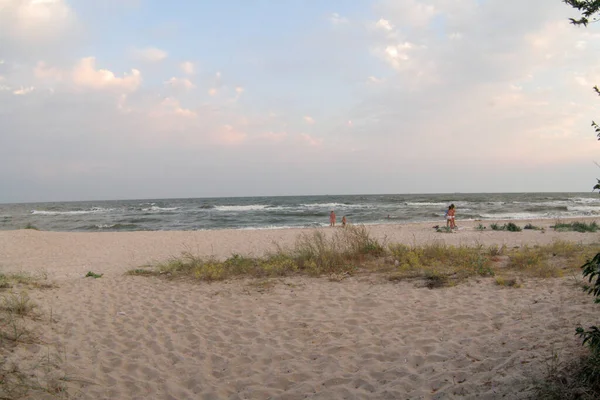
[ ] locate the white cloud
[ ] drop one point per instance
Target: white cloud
(384, 24)
(311, 141)
(309, 120)
(23, 91)
(35, 20)
(171, 106)
(151, 54)
(188, 67)
(180, 83)
(374, 79)
(86, 75)
(239, 90)
(44, 72)
(273, 136)
(212, 91)
(337, 19)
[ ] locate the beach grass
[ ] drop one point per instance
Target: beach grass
(354, 251)
(19, 327)
(576, 226)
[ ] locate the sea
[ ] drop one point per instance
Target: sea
(291, 211)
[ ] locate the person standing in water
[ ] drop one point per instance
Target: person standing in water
(344, 221)
(332, 218)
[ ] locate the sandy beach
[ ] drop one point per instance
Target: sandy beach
(133, 337)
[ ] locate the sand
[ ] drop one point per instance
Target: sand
(362, 338)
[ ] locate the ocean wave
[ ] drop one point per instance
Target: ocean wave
(333, 206)
(585, 200)
(251, 207)
(517, 215)
(93, 210)
(585, 209)
(112, 227)
(159, 209)
(426, 204)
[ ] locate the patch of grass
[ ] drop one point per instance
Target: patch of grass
(496, 227)
(94, 275)
(576, 226)
(444, 229)
(508, 282)
(31, 226)
(141, 272)
(575, 380)
(511, 227)
(19, 304)
(532, 227)
(480, 227)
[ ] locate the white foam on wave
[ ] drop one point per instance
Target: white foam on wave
(156, 208)
(251, 207)
(94, 210)
(332, 206)
(105, 226)
(585, 200)
(515, 216)
(585, 209)
(426, 204)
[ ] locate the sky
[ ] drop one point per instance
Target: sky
(136, 99)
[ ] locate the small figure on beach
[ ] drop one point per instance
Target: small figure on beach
(344, 221)
(450, 217)
(332, 218)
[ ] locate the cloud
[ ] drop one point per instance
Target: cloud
(337, 19)
(23, 91)
(384, 24)
(230, 136)
(35, 20)
(171, 106)
(188, 67)
(273, 136)
(310, 140)
(309, 120)
(44, 72)
(180, 83)
(150, 54)
(86, 75)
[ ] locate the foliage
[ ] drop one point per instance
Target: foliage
(511, 227)
(587, 8)
(576, 226)
(93, 275)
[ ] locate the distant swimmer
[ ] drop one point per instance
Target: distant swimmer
(344, 221)
(332, 218)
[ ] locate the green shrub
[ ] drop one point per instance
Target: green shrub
(576, 226)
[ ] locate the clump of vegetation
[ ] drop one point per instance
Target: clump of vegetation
(576, 226)
(511, 227)
(18, 319)
(94, 275)
(508, 282)
(444, 229)
(480, 227)
(532, 227)
(31, 226)
(353, 251)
